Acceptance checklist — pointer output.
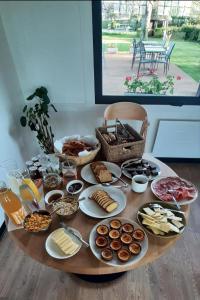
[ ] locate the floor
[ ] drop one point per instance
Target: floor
(176, 275)
(117, 66)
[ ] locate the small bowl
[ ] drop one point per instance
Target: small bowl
(51, 193)
(74, 182)
(68, 216)
(41, 212)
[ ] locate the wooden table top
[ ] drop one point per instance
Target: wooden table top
(84, 262)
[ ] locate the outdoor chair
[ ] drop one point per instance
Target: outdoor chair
(136, 50)
(165, 59)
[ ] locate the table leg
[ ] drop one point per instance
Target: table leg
(99, 278)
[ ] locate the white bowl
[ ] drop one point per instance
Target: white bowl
(49, 194)
(72, 182)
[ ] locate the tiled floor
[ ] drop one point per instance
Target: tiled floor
(117, 66)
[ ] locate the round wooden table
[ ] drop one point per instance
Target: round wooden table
(84, 262)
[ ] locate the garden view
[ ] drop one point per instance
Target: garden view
(151, 47)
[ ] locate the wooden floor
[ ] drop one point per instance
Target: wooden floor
(174, 276)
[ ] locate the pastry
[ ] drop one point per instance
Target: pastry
(128, 228)
(102, 230)
(134, 248)
(101, 241)
(107, 254)
(138, 235)
(115, 224)
(123, 255)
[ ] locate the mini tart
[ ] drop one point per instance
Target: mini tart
(128, 228)
(114, 234)
(123, 255)
(102, 230)
(101, 242)
(138, 235)
(115, 245)
(107, 254)
(134, 248)
(126, 238)
(115, 224)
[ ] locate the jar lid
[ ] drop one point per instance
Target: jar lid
(3, 186)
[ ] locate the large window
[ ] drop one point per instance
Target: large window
(147, 51)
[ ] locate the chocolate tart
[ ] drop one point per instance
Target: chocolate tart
(123, 255)
(138, 235)
(107, 254)
(114, 234)
(115, 245)
(127, 228)
(126, 238)
(134, 248)
(115, 224)
(101, 241)
(102, 230)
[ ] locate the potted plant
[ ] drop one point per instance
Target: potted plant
(36, 115)
(152, 87)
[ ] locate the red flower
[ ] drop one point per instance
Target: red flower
(128, 78)
(178, 77)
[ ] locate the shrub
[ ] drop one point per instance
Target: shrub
(191, 32)
(158, 33)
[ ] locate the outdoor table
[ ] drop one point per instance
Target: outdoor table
(84, 262)
(153, 52)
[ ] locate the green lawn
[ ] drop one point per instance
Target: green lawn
(186, 55)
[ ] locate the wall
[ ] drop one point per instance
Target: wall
(51, 45)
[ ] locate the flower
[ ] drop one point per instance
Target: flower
(178, 77)
(128, 78)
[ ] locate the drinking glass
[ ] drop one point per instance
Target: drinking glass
(69, 170)
(12, 174)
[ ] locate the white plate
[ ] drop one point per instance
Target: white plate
(115, 262)
(87, 174)
(92, 209)
(54, 251)
(127, 174)
(182, 202)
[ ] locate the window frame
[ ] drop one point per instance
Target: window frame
(109, 99)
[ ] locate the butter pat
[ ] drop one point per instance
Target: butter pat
(64, 242)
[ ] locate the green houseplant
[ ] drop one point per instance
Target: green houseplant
(36, 115)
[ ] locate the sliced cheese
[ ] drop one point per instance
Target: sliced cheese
(148, 211)
(64, 242)
(177, 223)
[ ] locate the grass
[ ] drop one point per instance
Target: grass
(186, 55)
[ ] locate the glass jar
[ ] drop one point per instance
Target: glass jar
(11, 204)
(69, 170)
(51, 181)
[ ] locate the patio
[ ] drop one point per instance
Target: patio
(117, 66)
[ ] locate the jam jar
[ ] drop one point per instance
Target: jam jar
(51, 181)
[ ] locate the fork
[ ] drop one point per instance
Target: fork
(159, 206)
(75, 234)
(174, 199)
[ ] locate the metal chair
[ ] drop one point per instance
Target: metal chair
(165, 59)
(136, 50)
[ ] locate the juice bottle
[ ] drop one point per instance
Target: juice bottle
(11, 204)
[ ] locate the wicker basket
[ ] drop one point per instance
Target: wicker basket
(121, 152)
(81, 160)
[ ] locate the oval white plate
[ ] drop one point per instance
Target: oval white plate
(92, 209)
(115, 262)
(54, 251)
(88, 176)
(127, 174)
(182, 202)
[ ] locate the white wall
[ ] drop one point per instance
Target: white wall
(51, 44)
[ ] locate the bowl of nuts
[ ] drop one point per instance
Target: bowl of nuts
(37, 221)
(66, 208)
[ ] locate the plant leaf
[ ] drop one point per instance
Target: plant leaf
(31, 96)
(23, 121)
(25, 108)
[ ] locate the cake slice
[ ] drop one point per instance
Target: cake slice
(100, 171)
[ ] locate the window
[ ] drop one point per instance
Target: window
(149, 54)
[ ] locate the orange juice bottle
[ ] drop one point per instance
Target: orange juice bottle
(11, 204)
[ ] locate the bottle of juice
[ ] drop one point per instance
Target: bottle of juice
(11, 204)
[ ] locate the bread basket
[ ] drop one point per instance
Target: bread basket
(79, 160)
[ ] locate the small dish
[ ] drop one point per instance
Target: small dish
(74, 187)
(52, 195)
(53, 250)
(66, 210)
(43, 228)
